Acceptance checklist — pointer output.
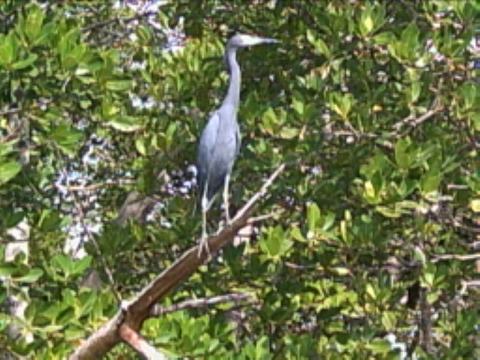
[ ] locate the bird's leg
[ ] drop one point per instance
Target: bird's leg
(225, 199)
(204, 239)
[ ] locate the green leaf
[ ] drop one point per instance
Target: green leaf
(296, 234)
(32, 276)
(64, 262)
(366, 21)
(384, 38)
(370, 193)
(419, 255)
(475, 205)
(371, 19)
(468, 93)
(389, 211)
(140, 146)
(402, 155)
(126, 123)
(414, 92)
(313, 218)
(7, 147)
(21, 64)
(410, 41)
(8, 48)
(299, 106)
(81, 265)
(288, 133)
(275, 243)
(8, 170)
(67, 138)
(270, 121)
(320, 46)
(7, 269)
(431, 181)
(34, 22)
(379, 346)
(68, 42)
(341, 104)
(74, 333)
(119, 85)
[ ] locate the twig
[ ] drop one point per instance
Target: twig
(93, 187)
(459, 257)
(10, 111)
(257, 219)
(235, 298)
(414, 122)
(141, 345)
(471, 283)
(138, 310)
(457, 187)
(294, 266)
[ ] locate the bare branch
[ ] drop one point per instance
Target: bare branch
(235, 298)
(96, 186)
(139, 309)
(413, 122)
(10, 111)
(141, 345)
(471, 283)
(257, 219)
(456, 257)
(457, 187)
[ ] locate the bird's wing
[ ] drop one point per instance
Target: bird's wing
(206, 148)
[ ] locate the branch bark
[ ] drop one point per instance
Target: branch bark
(140, 344)
(139, 309)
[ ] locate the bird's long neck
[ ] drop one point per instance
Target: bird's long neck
(233, 94)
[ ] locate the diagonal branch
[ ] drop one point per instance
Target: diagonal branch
(138, 310)
(413, 122)
(141, 345)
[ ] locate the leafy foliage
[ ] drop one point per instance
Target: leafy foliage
(373, 105)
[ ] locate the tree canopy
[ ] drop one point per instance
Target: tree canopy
(366, 246)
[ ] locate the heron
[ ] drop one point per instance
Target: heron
(219, 142)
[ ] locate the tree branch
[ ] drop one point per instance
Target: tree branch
(456, 257)
(139, 309)
(139, 343)
(158, 310)
(413, 122)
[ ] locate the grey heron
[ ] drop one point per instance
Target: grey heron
(220, 140)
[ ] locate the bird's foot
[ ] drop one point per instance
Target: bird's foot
(204, 246)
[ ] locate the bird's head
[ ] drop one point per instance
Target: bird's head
(243, 40)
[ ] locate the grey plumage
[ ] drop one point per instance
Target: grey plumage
(219, 143)
(217, 150)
